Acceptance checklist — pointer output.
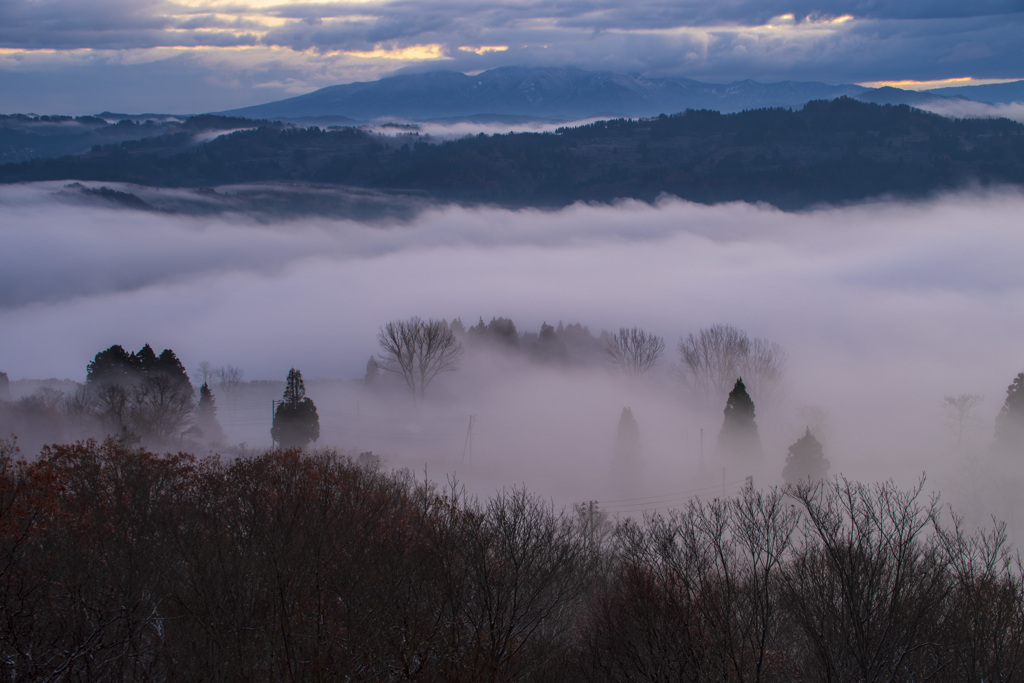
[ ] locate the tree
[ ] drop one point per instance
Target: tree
(141, 395)
(230, 380)
(1010, 421)
(628, 448)
(5, 387)
(714, 357)
(205, 371)
(206, 417)
(418, 350)
(110, 366)
(738, 437)
(634, 350)
(296, 422)
(806, 460)
(958, 414)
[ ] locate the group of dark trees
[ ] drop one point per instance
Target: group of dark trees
(141, 395)
(417, 351)
(826, 152)
(118, 564)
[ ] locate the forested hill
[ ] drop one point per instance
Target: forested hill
(831, 152)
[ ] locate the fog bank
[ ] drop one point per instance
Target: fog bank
(883, 310)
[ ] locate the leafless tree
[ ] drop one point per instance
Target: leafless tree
(230, 380)
(868, 582)
(715, 357)
(205, 372)
(634, 350)
(418, 350)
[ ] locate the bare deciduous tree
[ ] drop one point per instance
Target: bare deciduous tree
(715, 357)
(418, 350)
(634, 350)
(230, 380)
(205, 372)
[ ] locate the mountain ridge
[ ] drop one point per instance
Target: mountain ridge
(543, 92)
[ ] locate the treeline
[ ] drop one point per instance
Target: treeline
(833, 152)
(24, 137)
(119, 564)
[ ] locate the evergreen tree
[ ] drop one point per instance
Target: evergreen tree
(627, 456)
(628, 448)
(372, 373)
(1010, 421)
(142, 395)
(806, 460)
(110, 366)
(5, 387)
(145, 360)
(294, 389)
(738, 437)
(296, 422)
(206, 417)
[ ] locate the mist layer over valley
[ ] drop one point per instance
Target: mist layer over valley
(882, 309)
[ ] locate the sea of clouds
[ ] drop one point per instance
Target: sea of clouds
(883, 309)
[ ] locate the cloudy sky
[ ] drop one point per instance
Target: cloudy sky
(189, 56)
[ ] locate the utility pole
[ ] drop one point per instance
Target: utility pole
(468, 445)
(273, 414)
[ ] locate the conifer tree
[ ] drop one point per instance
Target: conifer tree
(206, 417)
(296, 422)
(372, 373)
(806, 460)
(738, 437)
(628, 448)
(1010, 421)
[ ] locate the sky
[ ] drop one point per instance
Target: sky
(192, 56)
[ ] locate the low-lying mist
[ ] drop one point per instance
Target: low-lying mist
(883, 309)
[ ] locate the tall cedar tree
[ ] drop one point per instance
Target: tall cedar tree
(296, 422)
(806, 460)
(206, 418)
(738, 437)
(628, 448)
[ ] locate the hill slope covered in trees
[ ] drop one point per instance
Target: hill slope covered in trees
(828, 152)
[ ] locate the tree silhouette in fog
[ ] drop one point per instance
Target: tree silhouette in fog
(806, 460)
(714, 356)
(418, 350)
(296, 422)
(738, 437)
(5, 386)
(1010, 421)
(628, 448)
(634, 350)
(141, 395)
(206, 417)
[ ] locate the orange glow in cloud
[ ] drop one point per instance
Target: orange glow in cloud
(942, 83)
(411, 53)
(483, 49)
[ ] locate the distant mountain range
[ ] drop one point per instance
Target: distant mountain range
(566, 94)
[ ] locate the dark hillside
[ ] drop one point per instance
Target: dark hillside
(828, 152)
